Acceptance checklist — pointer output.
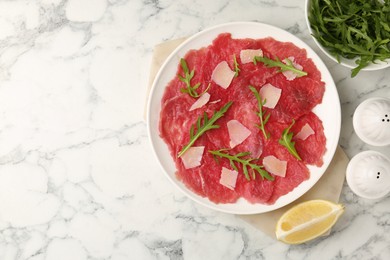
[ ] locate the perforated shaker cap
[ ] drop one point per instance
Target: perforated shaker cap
(371, 121)
(368, 175)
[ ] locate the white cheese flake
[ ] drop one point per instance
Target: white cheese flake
(215, 101)
(228, 178)
(305, 132)
(237, 132)
(290, 75)
(275, 166)
(222, 75)
(247, 56)
(192, 157)
(270, 94)
(201, 101)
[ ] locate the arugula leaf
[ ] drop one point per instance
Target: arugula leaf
(285, 140)
(188, 75)
(246, 163)
(202, 127)
(236, 68)
(283, 66)
(260, 114)
(353, 29)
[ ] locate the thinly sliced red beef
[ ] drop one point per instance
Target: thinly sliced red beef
(313, 147)
(297, 100)
(284, 50)
(176, 121)
(244, 112)
(201, 62)
(204, 180)
(256, 191)
(296, 172)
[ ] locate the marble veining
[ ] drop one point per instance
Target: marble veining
(77, 176)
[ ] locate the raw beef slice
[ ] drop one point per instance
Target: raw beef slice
(297, 100)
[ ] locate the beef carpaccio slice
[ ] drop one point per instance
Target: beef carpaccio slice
(298, 98)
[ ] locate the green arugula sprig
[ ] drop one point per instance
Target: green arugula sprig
(246, 163)
(202, 127)
(188, 75)
(286, 141)
(263, 118)
(352, 29)
(288, 66)
(236, 67)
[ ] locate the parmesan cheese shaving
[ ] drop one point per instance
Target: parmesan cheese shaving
(247, 56)
(270, 94)
(275, 166)
(228, 178)
(192, 157)
(215, 101)
(222, 75)
(305, 132)
(200, 102)
(237, 132)
(290, 75)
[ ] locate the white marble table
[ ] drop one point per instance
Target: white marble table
(77, 176)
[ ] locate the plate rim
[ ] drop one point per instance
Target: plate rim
(201, 200)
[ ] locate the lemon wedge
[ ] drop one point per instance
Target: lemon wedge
(307, 220)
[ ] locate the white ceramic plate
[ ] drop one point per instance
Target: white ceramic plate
(328, 112)
(349, 63)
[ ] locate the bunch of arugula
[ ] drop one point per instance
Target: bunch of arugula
(352, 29)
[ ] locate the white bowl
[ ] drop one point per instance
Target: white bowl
(349, 63)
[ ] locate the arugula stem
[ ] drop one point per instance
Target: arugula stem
(283, 66)
(286, 141)
(236, 67)
(208, 124)
(263, 120)
(238, 158)
(188, 75)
